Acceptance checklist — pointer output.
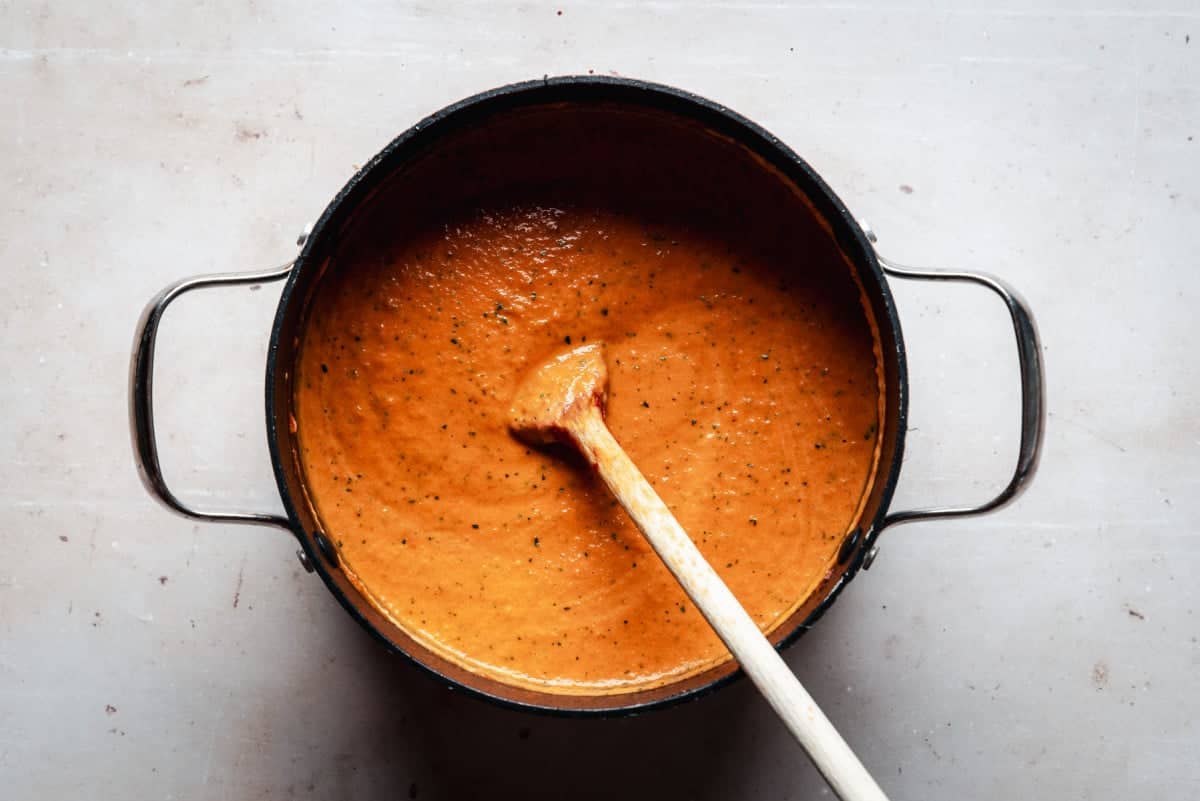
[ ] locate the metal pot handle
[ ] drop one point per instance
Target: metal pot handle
(141, 395)
(1033, 391)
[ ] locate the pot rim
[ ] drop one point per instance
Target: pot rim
(849, 236)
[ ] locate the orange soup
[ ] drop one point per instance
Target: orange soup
(744, 382)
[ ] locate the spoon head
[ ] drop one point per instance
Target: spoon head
(564, 385)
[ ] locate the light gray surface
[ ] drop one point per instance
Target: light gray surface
(1046, 651)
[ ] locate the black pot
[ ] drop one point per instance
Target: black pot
(651, 101)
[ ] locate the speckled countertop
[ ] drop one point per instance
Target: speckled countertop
(1050, 650)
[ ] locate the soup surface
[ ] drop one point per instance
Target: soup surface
(744, 382)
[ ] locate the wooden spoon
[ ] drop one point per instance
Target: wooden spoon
(563, 400)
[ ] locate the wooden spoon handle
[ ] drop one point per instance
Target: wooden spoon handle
(762, 663)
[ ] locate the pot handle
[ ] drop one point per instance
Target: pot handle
(1033, 392)
(141, 395)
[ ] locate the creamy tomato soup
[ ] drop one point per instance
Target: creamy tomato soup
(744, 382)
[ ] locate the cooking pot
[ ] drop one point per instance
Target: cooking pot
(482, 113)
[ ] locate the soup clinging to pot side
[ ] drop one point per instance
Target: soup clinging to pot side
(744, 382)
